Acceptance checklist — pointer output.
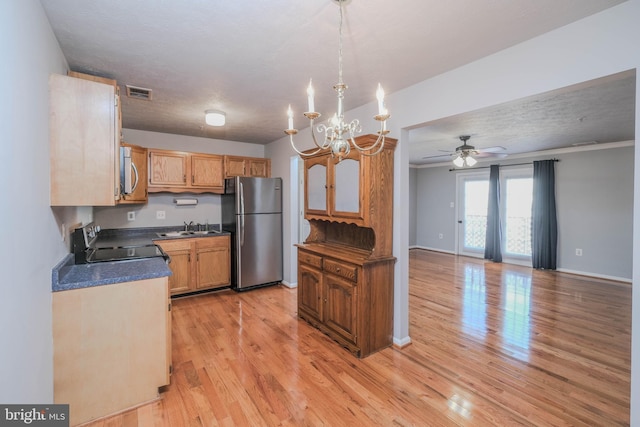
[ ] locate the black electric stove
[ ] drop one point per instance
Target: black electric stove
(85, 250)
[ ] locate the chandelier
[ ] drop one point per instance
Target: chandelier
(338, 134)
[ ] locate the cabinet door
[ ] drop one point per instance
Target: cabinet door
(180, 265)
(340, 310)
(139, 173)
(347, 202)
(310, 299)
(84, 143)
(207, 171)
(167, 168)
(234, 166)
(213, 262)
(316, 189)
(260, 168)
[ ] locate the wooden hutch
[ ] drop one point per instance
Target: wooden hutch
(346, 264)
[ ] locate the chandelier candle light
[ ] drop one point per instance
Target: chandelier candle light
(338, 134)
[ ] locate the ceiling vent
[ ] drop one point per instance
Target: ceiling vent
(138, 92)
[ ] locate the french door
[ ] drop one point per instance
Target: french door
(516, 190)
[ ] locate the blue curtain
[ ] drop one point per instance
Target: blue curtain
(493, 239)
(544, 224)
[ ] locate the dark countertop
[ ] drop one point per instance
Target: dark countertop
(67, 275)
(117, 238)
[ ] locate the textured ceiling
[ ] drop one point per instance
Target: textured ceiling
(599, 111)
(252, 58)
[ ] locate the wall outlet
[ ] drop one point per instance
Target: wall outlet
(451, 204)
(578, 252)
(131, 216)
(440, 236)
(161, 215)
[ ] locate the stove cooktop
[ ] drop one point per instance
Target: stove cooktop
(119, 254)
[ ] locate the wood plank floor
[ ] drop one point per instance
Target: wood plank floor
(493, 345)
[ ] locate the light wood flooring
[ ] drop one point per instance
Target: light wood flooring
(493, 345)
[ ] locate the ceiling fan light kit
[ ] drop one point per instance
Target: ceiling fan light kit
(463, 153)
(338, 134)
(464, 159)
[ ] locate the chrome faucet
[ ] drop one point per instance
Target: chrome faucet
(188, 227)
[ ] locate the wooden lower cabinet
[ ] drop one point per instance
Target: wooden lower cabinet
(352, 302)
(111, 347)
(213, 261)
(198, 263)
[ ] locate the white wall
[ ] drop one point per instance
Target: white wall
(597, 46)
(167, 141)
(31, 240)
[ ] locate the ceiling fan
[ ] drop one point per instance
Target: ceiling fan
(465, 154)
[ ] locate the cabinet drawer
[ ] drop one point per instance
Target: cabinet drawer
(311, 259)
(348, 271)
(174, 245)
(212, 242)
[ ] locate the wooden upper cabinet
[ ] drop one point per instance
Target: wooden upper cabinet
(106, 81)
(178, 171)
(356, 189)
(260, 168)
(333, 188)
(84, 130)
(247, 166)
(207, 171)
(234, 166)
(168, 168)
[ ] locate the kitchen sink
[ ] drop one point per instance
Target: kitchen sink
(186, 233)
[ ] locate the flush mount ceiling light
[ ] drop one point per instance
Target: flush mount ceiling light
(338, 134)
(214, 117)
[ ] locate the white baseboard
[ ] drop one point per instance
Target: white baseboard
(432, 249)
(599, 276)
(290, 285)
(528, 264)
(401, 342)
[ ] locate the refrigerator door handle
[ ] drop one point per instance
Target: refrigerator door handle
(241, 188)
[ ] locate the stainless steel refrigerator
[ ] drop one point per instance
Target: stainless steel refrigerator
(252, 213)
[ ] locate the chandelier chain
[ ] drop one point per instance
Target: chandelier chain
(340, 47)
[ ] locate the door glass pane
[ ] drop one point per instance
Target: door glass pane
(347, 186)
(476, 195)
(518, 197)
(316, 187)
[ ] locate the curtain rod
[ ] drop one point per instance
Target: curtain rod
(502, 166)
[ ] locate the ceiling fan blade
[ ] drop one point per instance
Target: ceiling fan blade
(438, 155)
(485, 154)
(496, 149)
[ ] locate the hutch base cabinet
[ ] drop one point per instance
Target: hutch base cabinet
(347, 297)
